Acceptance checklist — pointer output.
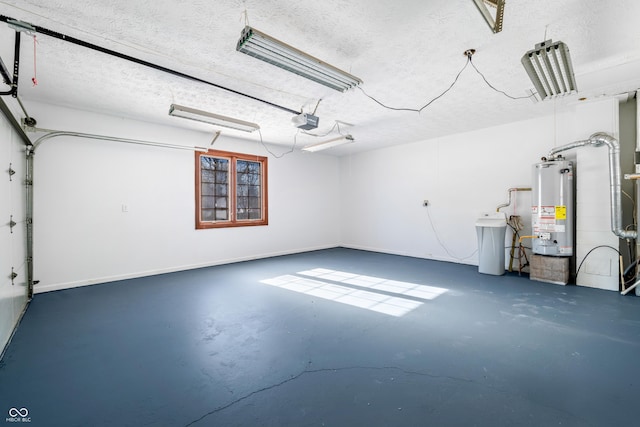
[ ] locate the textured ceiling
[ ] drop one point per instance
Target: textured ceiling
(407, 52)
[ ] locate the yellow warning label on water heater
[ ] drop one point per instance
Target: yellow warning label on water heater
(561, 212)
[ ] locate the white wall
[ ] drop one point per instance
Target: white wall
(464, 175)
(13, 295)
(82, 235)
(368, 201)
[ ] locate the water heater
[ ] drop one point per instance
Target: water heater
(552, 207)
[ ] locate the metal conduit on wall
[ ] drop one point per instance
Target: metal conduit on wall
(596, 140)
(615, 195)
(54, 134)
(31, 149)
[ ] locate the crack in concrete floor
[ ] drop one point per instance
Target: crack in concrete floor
(319, 370)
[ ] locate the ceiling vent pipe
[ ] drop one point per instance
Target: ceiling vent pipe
(596, 140)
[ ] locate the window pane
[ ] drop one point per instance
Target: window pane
(214, 163)
(206, 162)
(250, 212)
(206, 189)
(254, 191)
(221, 190)
(207, 202)
(221, 202)
(248, 190)
(207, 214)
(242, 166)
(221, 177)
(214, 191)
(243, 179)
(222, 164)
(254, 203)
(254, 167)
(207, 176)
(215, 171)
(248, 172)
(242, 203)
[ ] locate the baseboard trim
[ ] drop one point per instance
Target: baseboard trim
(42, 288)
(408, 254)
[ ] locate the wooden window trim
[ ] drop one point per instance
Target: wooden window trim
(232, 222)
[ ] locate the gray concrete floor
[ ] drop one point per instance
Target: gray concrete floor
(219, 347)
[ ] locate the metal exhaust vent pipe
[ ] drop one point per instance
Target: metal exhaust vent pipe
(596, 140)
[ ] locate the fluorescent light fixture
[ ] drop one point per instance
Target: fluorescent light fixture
(549, 68)
(345, 139)
(259, 45)
(211, 118)
(494, 24)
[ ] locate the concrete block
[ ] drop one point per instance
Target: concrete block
(550, 269)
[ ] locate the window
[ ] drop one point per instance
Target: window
(231, 189)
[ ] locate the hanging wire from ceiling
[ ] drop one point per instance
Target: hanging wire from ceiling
(281, 155)
(245, 15)
(335, 126)
(313, 113)
(419, 110)
(496, 89)
(468, 53)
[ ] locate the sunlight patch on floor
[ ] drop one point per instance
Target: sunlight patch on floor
(321, 283)
(394, 286)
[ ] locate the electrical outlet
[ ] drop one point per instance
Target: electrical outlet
(425, 203)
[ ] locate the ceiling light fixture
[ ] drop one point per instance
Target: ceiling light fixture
(549, 68)
(344, 139)
(494, 24)
(264, 47)
(211, 118)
